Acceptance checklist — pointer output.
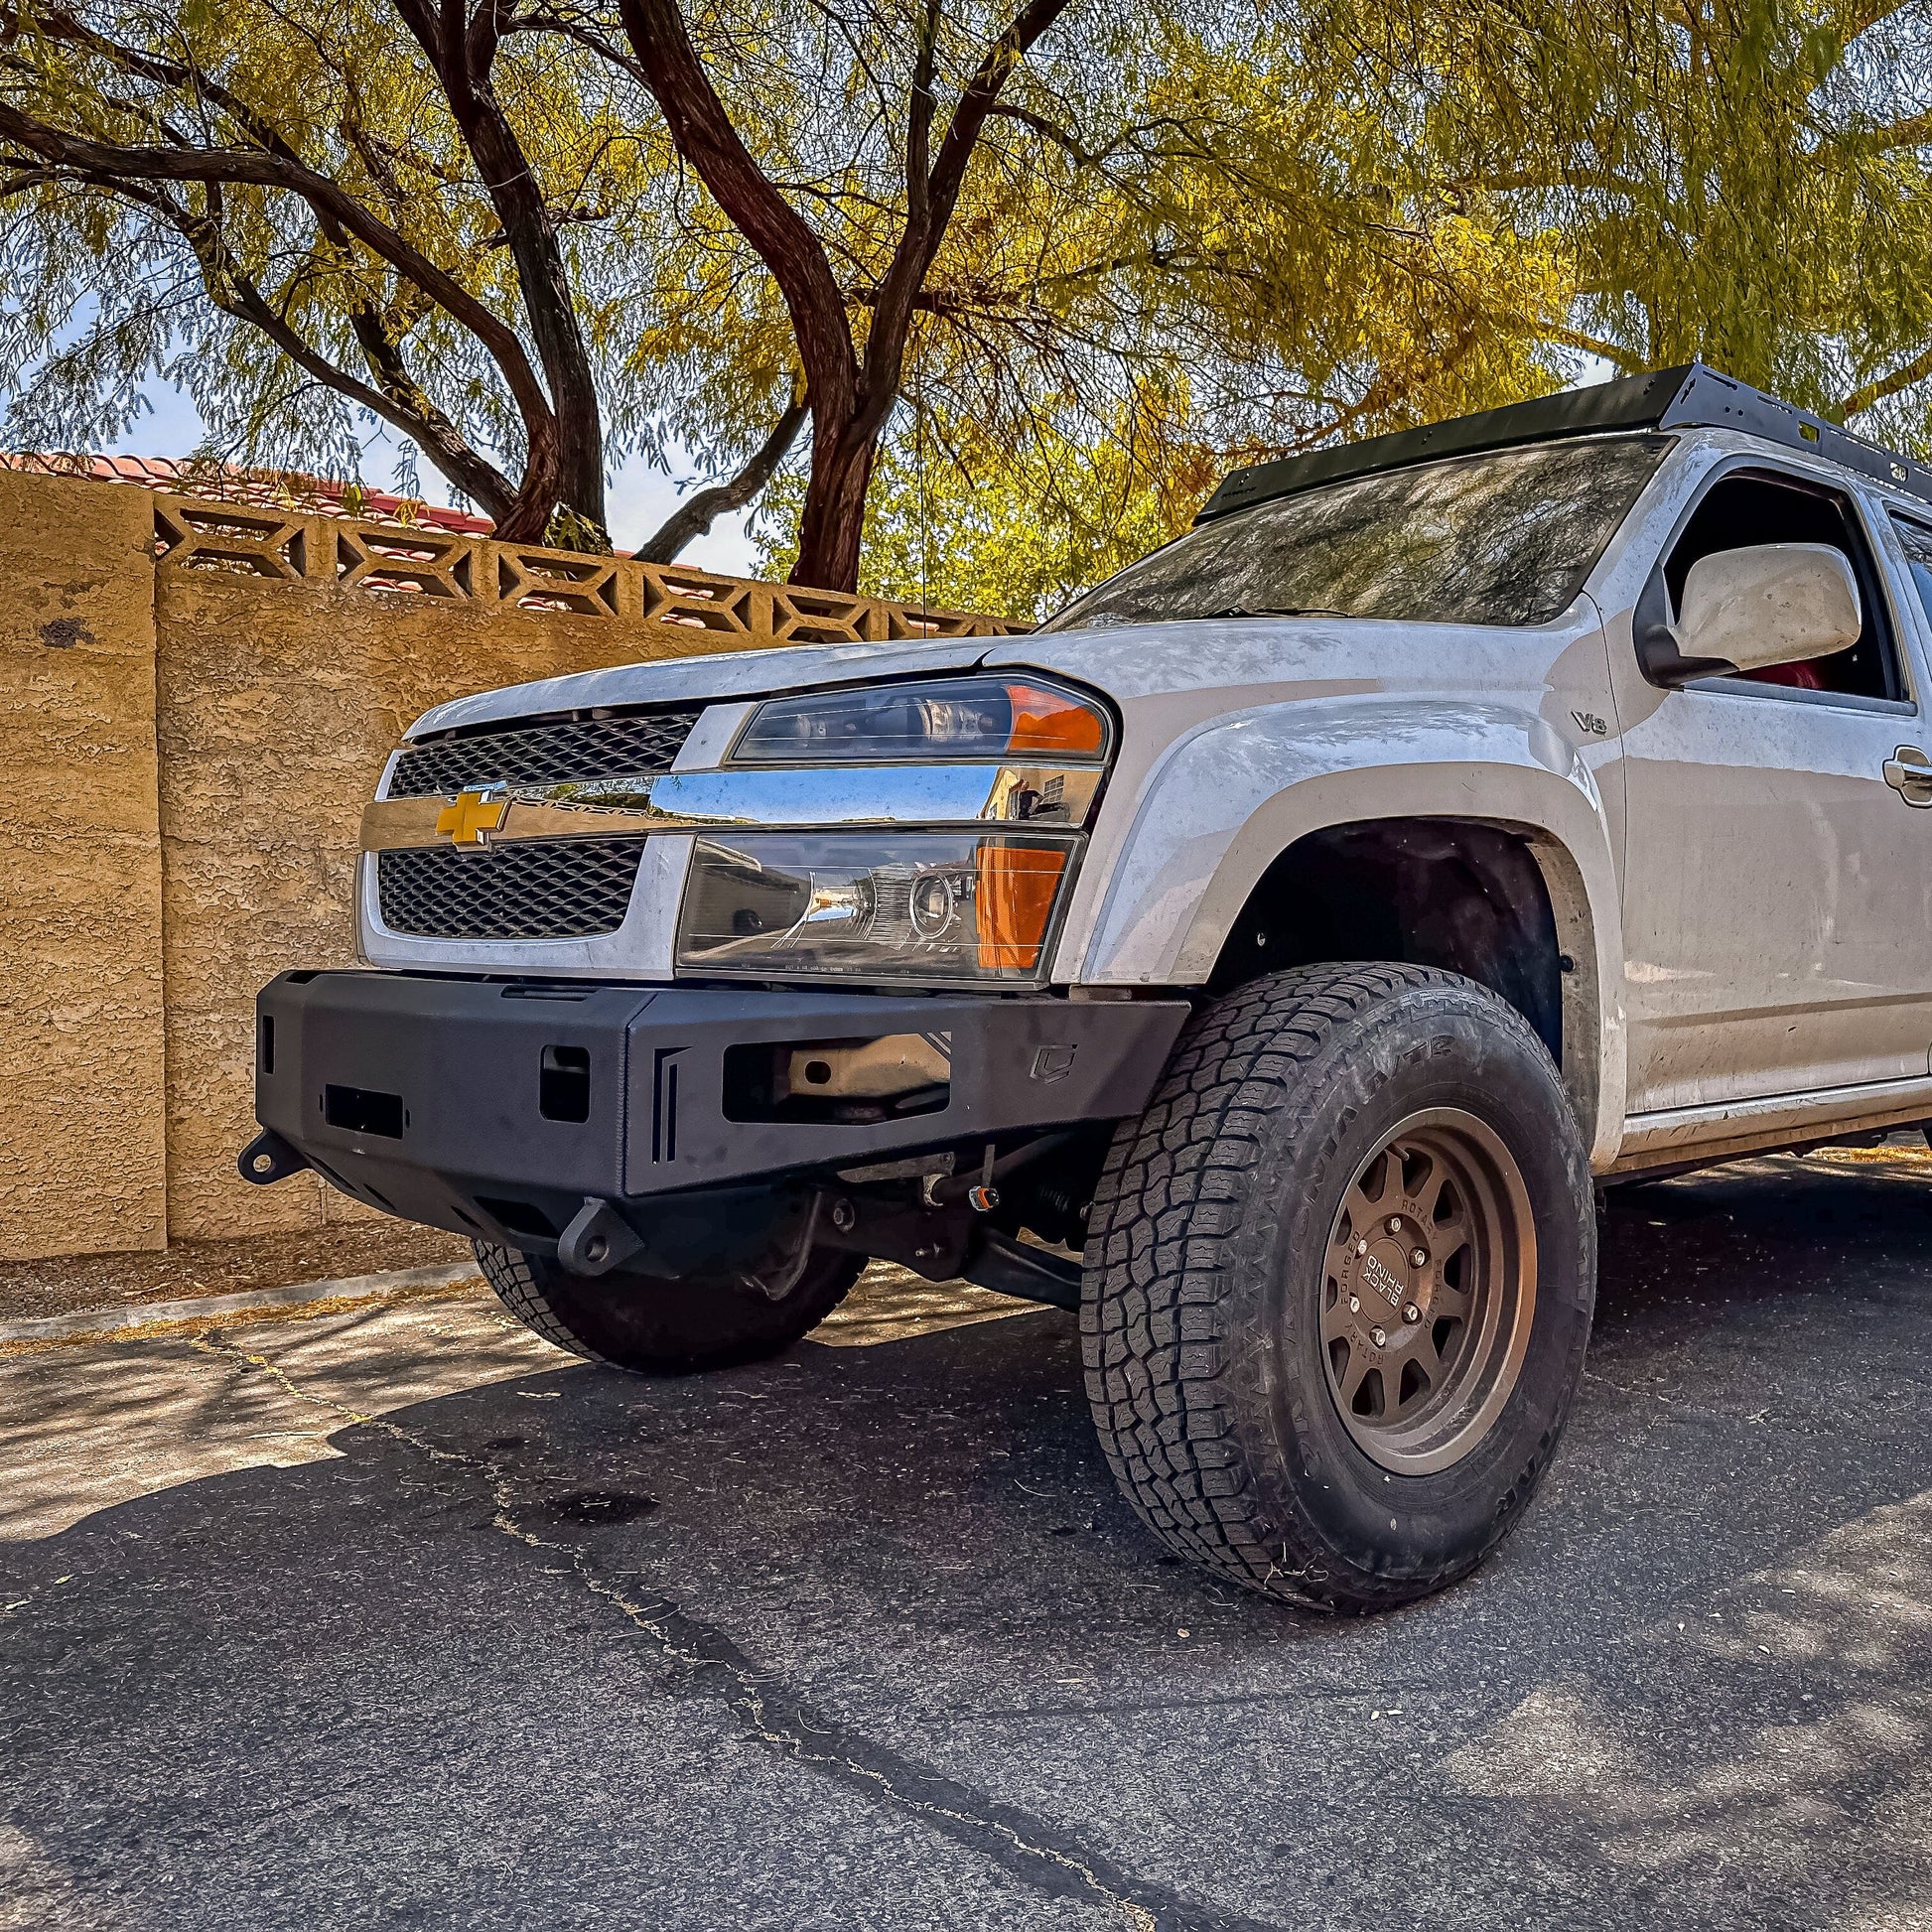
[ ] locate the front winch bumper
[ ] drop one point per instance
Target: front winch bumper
(496, 1110)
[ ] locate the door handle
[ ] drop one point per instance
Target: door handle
(1909, 774)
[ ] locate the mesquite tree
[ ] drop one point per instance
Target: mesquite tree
(854, 367)
(349, 186)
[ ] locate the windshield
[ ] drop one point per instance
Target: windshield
(1506, 538)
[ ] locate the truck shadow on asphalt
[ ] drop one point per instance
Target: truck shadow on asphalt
(726, 1624)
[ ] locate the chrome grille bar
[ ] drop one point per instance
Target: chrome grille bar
(827, 797)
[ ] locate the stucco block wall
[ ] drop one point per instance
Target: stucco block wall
(279, 701)
(83, 1159)
(195, 702)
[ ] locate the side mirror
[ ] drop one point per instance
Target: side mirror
(1746, 610)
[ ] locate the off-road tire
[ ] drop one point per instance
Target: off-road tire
(654, 1326)
(1206, 1269)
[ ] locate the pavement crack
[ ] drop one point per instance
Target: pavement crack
(781, 1722)
(1026, 1847)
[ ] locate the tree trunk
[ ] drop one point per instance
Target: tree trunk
(528, 516)
(463, 49)
(834, 518)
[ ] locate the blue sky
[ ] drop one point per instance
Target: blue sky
(640, 496)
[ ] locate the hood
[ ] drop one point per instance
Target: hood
(1289, 657)
(1240, 658)
(706, 675)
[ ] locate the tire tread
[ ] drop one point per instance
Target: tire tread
(508, 1272)
(1160, 1339)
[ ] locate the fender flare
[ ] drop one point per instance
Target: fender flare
(1228, 798)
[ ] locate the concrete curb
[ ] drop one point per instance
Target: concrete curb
(146, 1315)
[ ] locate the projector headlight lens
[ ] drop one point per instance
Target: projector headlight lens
(943, 717)
(941, 905)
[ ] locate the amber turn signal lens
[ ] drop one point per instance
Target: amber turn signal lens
(1014, 903)
(1052, 722)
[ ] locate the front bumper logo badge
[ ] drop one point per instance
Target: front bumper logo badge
(471, 817)
(1052, 1064)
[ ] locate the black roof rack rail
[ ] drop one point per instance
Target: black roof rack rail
(1694, 396)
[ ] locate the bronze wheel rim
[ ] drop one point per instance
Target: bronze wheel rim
(1428, 1292)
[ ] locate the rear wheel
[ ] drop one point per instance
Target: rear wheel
(658, 1327)
(1339, 1284)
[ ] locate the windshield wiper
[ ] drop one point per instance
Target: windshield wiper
(1278, 611)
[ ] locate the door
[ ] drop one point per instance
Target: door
(1777, 883)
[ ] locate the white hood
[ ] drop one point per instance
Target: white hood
(706, 675)
(1214, 663)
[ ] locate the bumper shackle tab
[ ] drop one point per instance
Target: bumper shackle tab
(597, 1240)
(268, 1158)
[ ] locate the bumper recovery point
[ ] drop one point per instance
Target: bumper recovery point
(495, 1109)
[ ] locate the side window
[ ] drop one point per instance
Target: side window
(1917, 541)
(1756, 506)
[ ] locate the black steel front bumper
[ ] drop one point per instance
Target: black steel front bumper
(496, 1110)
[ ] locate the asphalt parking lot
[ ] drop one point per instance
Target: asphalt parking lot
(397, 1617)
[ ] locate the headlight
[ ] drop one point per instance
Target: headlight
(942, 905)
(946, 717)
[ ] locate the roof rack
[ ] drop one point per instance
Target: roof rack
(1694, 396)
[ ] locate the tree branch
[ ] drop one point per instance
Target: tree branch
(1045, 129)
(919, 243)
(1915, 131)
(1619, 357)
(462, 48)
(1877, 391)
(918, 118)
(400, 404)
(704, 137)
(119, 166)
(691, 519)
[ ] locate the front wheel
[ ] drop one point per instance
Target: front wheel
(1339, 1284)
(658, 1327)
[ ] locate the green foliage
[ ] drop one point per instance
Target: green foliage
(1741, 180)
(1242, 257)
(958, 521)
(1191, 235)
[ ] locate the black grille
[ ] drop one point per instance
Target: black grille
(564, 889)
(541, 754)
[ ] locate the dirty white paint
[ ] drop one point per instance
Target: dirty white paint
(1749, 903)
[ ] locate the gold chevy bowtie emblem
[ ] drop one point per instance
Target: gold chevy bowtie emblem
(473, 816)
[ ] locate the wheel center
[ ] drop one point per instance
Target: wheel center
(1385, 1276)
(1430, 1284)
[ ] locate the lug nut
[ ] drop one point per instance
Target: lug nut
(1412, 1313)
(1395, 1223)
(1419, 1259)
(1354, 1305)
(1361, 1247)
(1377, 1337)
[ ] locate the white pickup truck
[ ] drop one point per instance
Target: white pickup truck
(1264, 957)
